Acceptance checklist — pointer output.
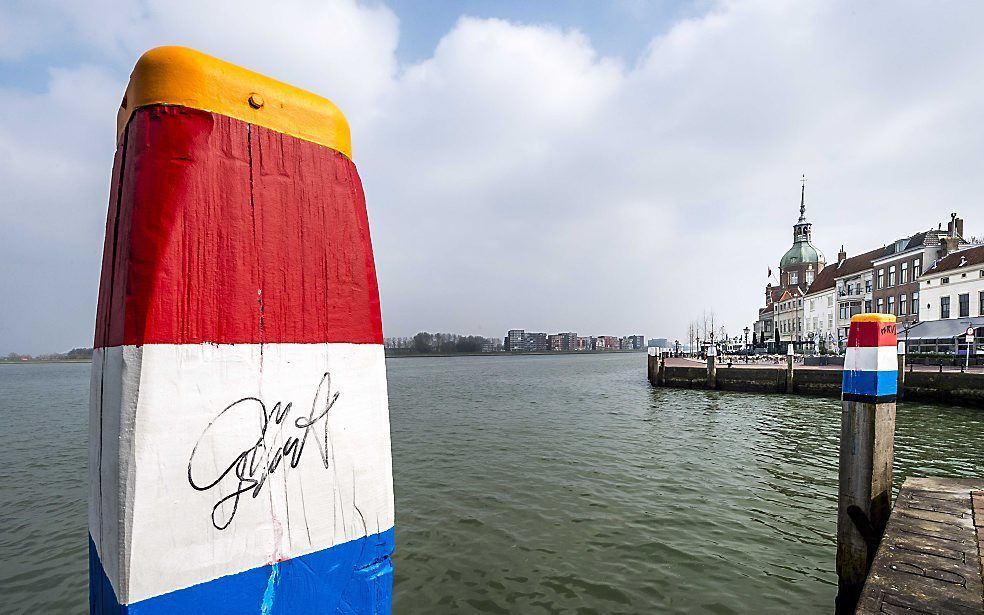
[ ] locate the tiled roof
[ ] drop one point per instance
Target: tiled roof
(824, 279)
(959, 260)
(827, 277)
(857, 264)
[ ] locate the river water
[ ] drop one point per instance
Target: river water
(532, 484)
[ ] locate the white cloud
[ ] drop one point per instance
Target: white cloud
(517, 178)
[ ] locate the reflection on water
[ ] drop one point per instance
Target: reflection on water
(533, 484)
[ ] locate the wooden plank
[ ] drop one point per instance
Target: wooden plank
(928, 560)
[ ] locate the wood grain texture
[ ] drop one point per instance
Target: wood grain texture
(224, 232)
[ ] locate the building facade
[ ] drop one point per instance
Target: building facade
(820, 309)
(896, 273)
(514, 340)
(951, 300)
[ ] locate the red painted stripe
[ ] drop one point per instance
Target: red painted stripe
(867, 334)
(229, 233)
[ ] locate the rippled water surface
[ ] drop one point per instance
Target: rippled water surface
(539, 484)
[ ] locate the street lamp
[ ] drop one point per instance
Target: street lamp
(746, 344)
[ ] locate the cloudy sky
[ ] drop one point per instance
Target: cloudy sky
(607, 168)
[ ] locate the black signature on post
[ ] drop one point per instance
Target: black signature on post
(274, 448)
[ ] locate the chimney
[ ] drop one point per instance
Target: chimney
(950, 244)
(951, 227)
(842, 255)
(959, 223)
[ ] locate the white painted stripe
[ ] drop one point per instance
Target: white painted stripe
(871, 358)
(156, 402)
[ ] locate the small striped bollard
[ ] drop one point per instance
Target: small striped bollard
(869, 388)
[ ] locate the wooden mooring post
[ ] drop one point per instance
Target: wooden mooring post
(711, 368)
(652, 365)
(239, 442)
(901, 359)
(869, 388)
(789, 367)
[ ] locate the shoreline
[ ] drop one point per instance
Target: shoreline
(409, 355)
(420, 355)
(43, 361)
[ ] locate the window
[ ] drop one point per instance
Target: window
(902, 305)
(891, 275)
(944, 307)
(891, 305)
(867, 306)
(830, 301)
(915, 304)
(980, 302)
(809, 277)
(830, 319)
(881, 278)
(915, 269)
(867, 286)
(813, 305)
(904, 274)
(794, 278)
(843, 311)
(881, 305)
(945, 281)
(964, 301)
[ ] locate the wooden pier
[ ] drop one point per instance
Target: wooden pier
(929, 560)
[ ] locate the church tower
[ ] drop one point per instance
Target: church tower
(803, 261)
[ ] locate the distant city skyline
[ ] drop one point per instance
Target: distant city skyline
(617, 167)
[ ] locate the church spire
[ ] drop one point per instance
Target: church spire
(803, 200)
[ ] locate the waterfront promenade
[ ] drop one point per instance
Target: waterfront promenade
(927, 383)
(738, 362)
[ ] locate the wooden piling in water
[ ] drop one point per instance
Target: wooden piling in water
(789, 368)
(711, 368)
(868, 393)
(901, 366)
(652, 365)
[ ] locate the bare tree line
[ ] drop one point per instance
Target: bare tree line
(705, 330)
(425, 342)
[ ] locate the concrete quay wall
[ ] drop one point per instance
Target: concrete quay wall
(964, 389)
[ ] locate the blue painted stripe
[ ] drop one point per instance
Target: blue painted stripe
(870, 383)
(355, 577)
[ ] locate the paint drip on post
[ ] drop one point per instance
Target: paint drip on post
(239, 427)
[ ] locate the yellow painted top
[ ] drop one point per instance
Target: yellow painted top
(873, 318)
(189, 78)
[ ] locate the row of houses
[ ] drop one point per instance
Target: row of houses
(520, 340)
(932, 281)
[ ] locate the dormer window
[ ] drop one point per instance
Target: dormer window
(793, 278)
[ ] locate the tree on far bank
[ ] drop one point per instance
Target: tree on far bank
(422, 342)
